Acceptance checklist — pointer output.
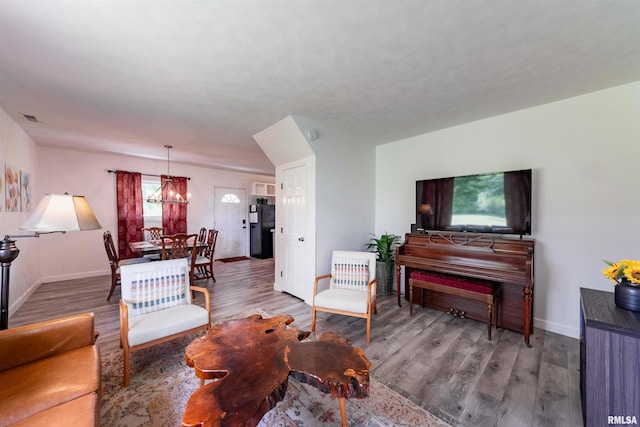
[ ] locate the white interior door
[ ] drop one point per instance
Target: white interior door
(230, 210)
(293, 231)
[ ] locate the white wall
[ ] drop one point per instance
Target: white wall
(17, 149)
(585, 156)
(345, 193)
(342, 191)
(82, 254)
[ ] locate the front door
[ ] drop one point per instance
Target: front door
(230, 220)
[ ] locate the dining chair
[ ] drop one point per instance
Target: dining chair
(181, 245)
(352, 287)
(204, 261)
(115, 262)
(202, 238)
(152, 234)
(202, 235)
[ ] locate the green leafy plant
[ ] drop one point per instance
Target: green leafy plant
(384, 247)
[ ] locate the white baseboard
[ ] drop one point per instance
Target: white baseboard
(17, 304)
(82, 275)
(558, 328)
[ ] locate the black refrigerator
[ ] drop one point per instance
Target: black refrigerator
(262, 221)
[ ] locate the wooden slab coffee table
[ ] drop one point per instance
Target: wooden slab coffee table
(250, 360)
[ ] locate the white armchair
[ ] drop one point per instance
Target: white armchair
(352, 287)
(156, 306)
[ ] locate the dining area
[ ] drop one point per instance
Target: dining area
(197, 248)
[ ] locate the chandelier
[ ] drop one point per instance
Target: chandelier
(173, 197)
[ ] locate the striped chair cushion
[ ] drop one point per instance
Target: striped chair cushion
(350, 273)
(151, 291)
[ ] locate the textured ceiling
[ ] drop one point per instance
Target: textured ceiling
(130, 76)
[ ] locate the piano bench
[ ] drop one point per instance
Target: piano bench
(465, 287)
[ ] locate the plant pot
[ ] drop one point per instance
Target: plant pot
(627, 296)
(384, 277)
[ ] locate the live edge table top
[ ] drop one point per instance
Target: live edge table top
(250, 361)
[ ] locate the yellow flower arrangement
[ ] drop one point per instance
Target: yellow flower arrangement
(628, 269)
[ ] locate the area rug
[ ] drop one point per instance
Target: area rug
(233, 259)
(161, 384)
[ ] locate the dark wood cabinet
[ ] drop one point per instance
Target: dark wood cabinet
(609, 361)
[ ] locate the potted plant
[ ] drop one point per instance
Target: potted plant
(385, 249)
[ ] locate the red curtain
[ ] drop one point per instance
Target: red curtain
(129, 205)
(174, 216)
(439, 195)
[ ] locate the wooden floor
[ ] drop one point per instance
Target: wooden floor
(441, 362)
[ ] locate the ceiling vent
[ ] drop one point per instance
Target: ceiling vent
(29, 117)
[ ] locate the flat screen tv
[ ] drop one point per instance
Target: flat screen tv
(483, 203)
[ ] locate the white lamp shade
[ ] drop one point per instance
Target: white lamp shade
(62, 212)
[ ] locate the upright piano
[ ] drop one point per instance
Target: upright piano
(506, 260)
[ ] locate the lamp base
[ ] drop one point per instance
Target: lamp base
(8, 252)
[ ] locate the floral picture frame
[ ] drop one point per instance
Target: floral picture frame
(12, 200)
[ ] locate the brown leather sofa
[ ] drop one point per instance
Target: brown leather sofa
(50, 373)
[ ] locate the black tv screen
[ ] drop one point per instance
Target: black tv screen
(497, 202)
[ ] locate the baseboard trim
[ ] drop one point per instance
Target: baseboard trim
(18, 303)
(82, 275)
(558, 328)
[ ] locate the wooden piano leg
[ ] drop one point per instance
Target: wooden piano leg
(526, 303)
(490, 318)
(398, 270)
(411, 297)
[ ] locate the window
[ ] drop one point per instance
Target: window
(150, 210)
(230, 198)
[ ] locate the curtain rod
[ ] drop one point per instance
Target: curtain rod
(145, 174)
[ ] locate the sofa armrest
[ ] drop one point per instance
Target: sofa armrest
(28, 343)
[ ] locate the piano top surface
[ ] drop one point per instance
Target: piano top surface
(483, 256)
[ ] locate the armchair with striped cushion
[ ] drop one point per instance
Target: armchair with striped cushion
(352, 287)
(156, 306)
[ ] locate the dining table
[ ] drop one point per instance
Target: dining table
(146, 248)
(155, 247)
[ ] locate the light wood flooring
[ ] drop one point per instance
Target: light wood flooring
(441, 362)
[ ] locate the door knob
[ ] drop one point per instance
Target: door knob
(301, 239)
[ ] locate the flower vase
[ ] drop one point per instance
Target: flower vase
(627, 295)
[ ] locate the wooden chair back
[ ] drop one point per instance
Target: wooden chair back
(202, 235)
(203, 264)
(179, 246)
(212, 238)
(110, 248)
(153, 234)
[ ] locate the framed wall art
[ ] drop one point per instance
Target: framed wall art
(12, 188)
(25, 191)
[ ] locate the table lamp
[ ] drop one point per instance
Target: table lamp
(56, 213)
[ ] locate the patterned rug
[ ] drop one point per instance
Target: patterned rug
(161, 384)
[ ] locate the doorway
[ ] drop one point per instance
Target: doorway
(230, 208)
(295, 238)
